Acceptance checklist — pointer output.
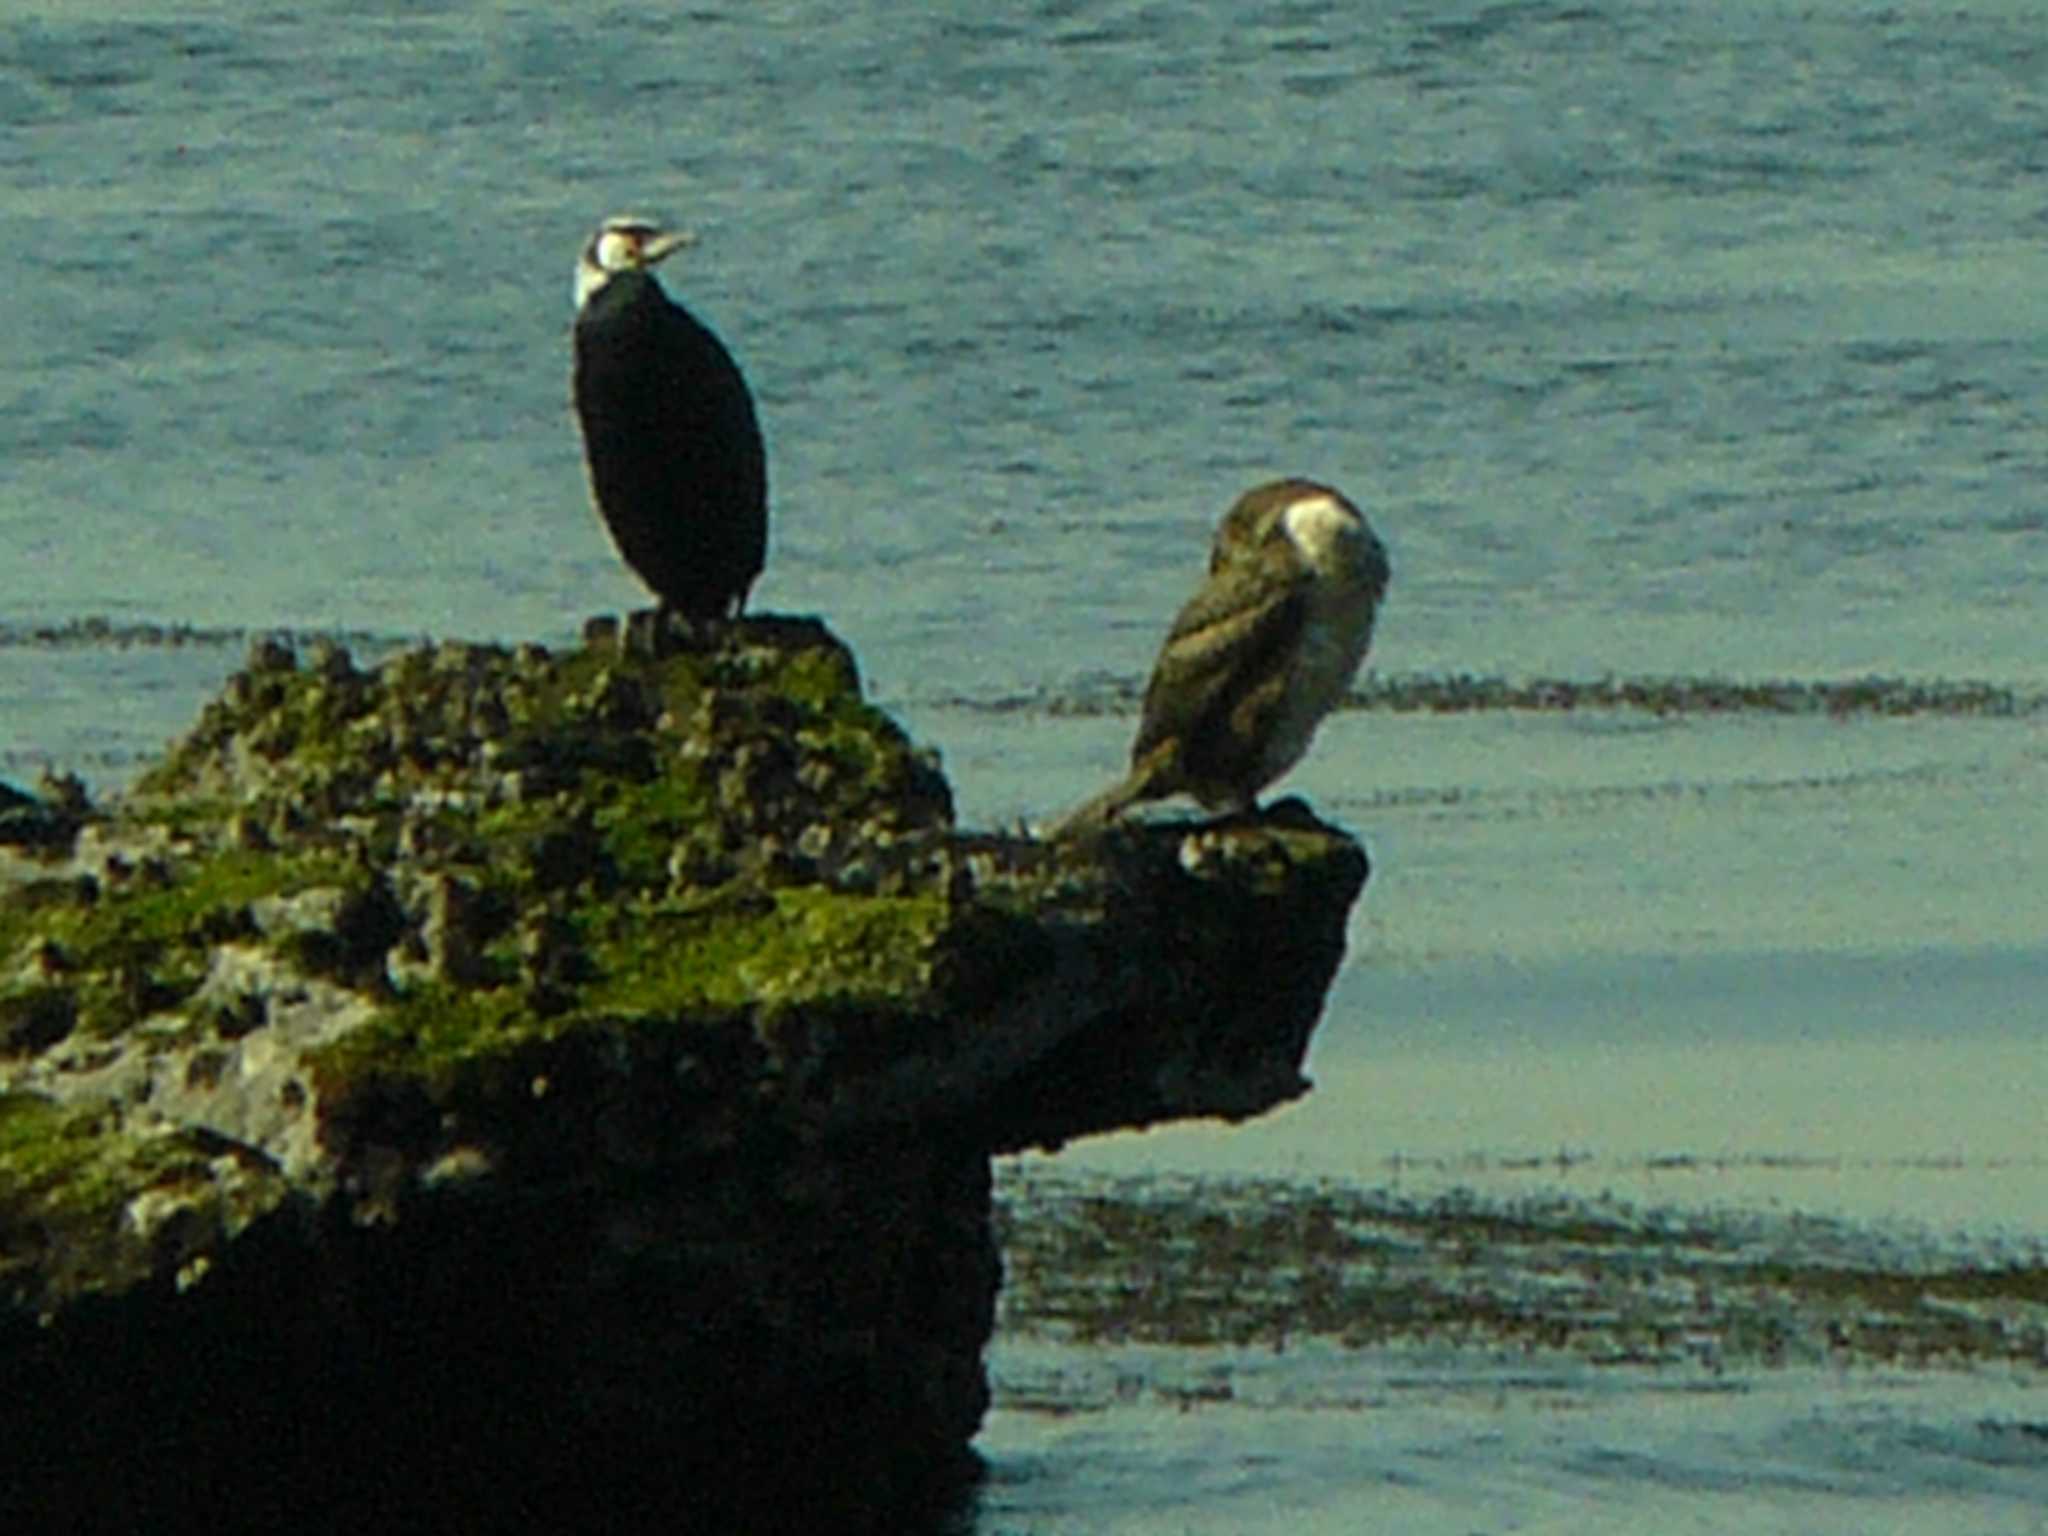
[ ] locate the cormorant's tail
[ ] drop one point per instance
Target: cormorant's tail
(1092, 815)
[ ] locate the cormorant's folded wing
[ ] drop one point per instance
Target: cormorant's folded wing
(1225, 663)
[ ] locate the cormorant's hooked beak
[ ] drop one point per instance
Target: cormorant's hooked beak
(665, 244)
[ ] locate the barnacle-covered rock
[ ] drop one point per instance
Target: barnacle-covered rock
(592, 1057)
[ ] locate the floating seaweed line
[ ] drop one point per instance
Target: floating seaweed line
(97, 631)
(1467, 693)
(1462, 692)
(1261, 1262)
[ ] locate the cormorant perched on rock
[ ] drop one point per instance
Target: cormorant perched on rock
(676, 462)
(1258, 656)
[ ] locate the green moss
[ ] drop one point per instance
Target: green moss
(856, 756)
(222, 882)
(805, 947)
(27, 911)
(820, 678)
(573, 679)
(61, 1162)
(144, 946)
(433, 1034)
(613, 797)
(70, 1179)
(314, 720)
(642, 823)
(184, 817)
(68, 1171)
(272, 714)
(654, 964)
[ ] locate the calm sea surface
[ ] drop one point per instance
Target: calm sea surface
(1686, 337)
(1655, 338)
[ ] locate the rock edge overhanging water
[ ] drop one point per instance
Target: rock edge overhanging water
(502, 1081)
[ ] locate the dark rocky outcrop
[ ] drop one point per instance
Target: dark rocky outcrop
(48, 821)
(504, 1087)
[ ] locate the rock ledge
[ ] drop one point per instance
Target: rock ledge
(500, 1084)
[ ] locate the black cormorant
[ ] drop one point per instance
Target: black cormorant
(1257, 657)
(669, 432)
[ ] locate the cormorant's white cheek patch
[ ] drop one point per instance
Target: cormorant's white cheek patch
(619, 246)
(618, 251)
(1318, 526)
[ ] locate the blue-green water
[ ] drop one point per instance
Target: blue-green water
(1653, 337)
(1676, 338)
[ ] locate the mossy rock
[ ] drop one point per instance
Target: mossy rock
(481, 850)
(368, 917)
(88, 1208)
(505, 1026)
(594, 781)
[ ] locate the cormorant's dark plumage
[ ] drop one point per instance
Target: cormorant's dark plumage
(676, 462)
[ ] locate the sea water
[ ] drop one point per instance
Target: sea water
(1682, 338)
(1671, 339)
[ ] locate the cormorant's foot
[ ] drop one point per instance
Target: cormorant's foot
(655, 633)
(650, 633)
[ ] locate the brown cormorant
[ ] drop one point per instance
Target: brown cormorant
(1257, 657)
(676, 463)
